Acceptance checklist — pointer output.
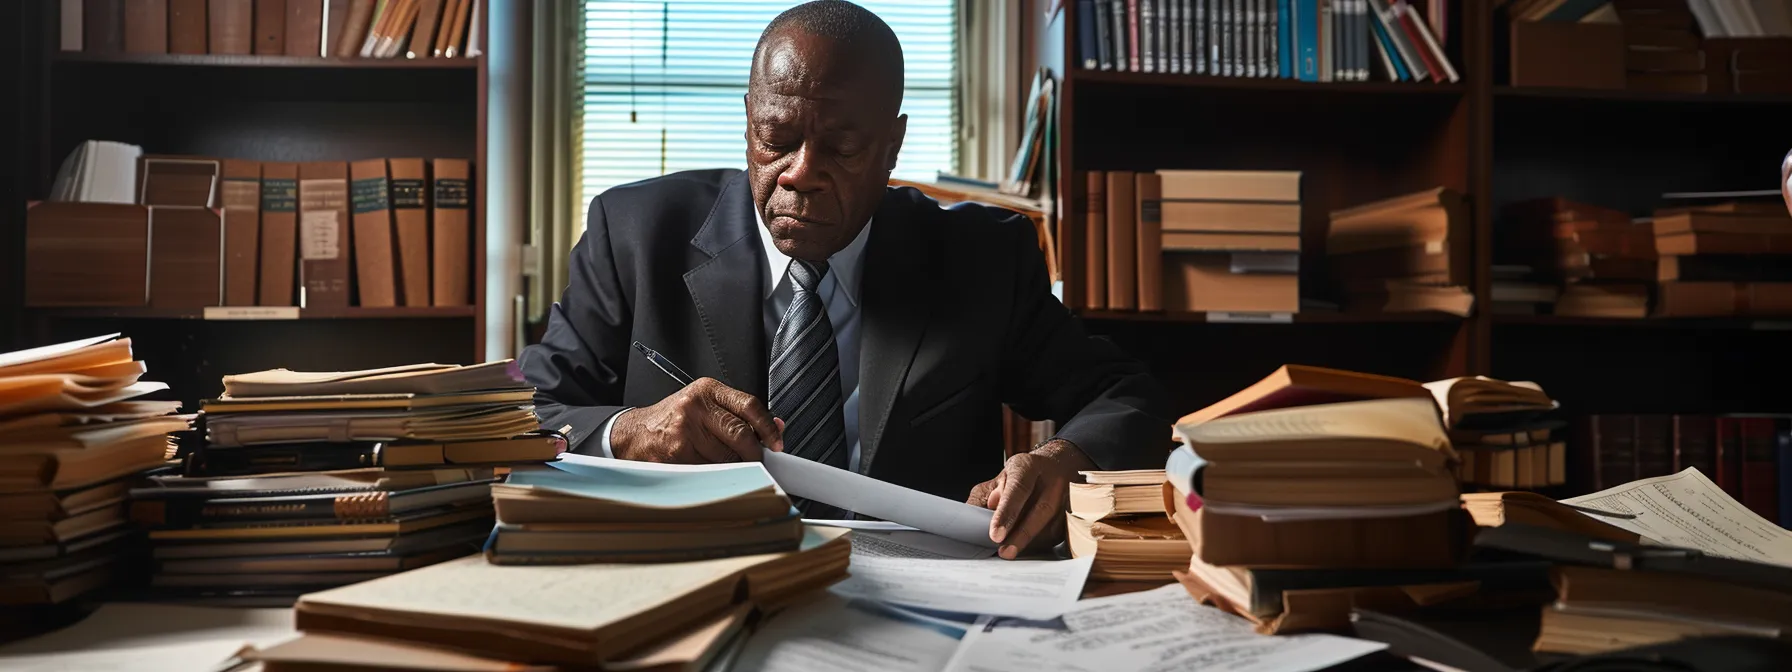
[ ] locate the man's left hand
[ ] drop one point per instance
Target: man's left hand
(1029, 497)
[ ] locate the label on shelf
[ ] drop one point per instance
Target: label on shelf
(252, 313)
(1261, 318)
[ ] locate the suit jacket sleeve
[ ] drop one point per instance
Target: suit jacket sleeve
(1104, 401)
(578, 367)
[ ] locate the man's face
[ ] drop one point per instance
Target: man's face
(822, 137)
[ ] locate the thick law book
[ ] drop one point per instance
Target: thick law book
(324, 246)
(410, 213)
(375, 275)
(240, 198)
(452, 234)
(279, 235)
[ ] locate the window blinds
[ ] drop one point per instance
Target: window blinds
(663, 83)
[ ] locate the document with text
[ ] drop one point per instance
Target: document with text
(885, 501)
(836, 634)
(1152, 631)
(908, 575)
(1689, 511)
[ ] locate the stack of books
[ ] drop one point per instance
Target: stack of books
(1403, 254)
(1502, 433)
(1730, 258)
(1602, 260)
(586, 510)
(470, 614)
(72, 432)
(309, 480)
(1715, 570)
(1192, 240)
(1121, 518)
(1316, 489)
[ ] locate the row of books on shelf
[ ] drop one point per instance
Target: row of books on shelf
(1230, 241)
(1661, 46)
(1306, 40)
(341, 28)
(126, 229)
(1749, 456)
(1697, 255)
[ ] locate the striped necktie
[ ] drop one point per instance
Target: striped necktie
(805, 380)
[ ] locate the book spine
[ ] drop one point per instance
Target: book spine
(452, 233)
(324, 235)
(1760, 478)
(250, 461)
(279, 233)
(370, 202)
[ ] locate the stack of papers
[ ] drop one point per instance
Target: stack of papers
(310, 480)
(71, 434)
(592, 509)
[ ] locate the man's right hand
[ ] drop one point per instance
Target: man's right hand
(703, 423)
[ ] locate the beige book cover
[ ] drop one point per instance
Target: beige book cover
(375, 268)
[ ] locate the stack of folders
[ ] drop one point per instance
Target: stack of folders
(1120, 518)
(306, 481)
(1503, 433)
(585, 510)
(71, 434)
(469, 614)
(1318, 489)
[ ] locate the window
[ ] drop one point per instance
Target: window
(663, 83)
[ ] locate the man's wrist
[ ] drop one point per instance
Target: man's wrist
(1065, 454)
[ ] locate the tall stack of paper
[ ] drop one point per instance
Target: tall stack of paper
(583, 510)
(1502, 433)
(306, 481)
(71, 433)
(576, 615)
(1119, 517)
(1328, 472)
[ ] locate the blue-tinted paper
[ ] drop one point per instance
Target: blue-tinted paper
(657, 487)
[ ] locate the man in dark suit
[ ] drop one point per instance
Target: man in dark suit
(832, 317)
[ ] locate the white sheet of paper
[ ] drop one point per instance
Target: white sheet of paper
(871, 497)
(151, 638)
(877, 537)
(834, 634)
(1156, 630)
(898, 574)
(1689, 511)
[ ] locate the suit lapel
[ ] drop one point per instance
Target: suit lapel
(897, 289)
(729, 307)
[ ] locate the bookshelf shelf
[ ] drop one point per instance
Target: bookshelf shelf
(1153, 79)
(1425, 317)
(1709, 323)
(249, 61)
(1627, 96)
(199, 314)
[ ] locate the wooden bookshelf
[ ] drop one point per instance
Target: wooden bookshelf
(289, 109)
(1356, 142)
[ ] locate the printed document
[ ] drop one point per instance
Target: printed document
(835, 634)
(885, 501)
(1689, 511)
(877, 537)
(902, 575)
(1152, 631)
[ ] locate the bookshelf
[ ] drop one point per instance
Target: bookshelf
(1359, 141)
(284, 108)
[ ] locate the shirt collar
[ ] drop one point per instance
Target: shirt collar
(844, 265)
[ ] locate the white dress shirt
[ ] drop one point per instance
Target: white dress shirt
(839, 291)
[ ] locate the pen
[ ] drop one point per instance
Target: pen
(659, 361)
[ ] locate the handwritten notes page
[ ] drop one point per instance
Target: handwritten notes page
(1689, 511)
(1151, 631)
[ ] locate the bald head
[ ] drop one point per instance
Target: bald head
(824, 124)
(854, 43)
